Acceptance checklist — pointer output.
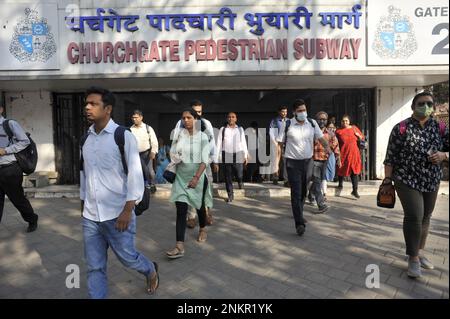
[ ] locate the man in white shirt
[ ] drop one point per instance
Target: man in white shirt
(298, 135)
(197, 106)
(147, 145)
(108, 195)
(232, 148)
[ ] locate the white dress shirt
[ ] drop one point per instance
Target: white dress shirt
(233, 141)
(146, 140)
(104, 187)
(300, 139)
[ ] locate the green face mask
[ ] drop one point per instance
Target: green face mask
(423, 111)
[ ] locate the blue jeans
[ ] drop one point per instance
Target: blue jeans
(319, 172)
(98, 237)
(299, 174)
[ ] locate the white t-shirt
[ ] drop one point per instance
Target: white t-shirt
(300, 139)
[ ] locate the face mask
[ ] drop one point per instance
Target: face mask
(423, 111)
(322, 123)
(301, 116)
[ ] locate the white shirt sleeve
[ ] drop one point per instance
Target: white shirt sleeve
(212, 143)
(317, 131)
(153, 140)
(20, 138)
(135, 180)
(243, 142)
(219, 146)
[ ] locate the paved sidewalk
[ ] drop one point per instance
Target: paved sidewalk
(252, 251)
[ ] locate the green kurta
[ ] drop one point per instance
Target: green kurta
(193, 150)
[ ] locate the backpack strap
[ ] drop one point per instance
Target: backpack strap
(148, 129)
(311, 122)
(402, 127)
(8, 131)
(82, 141)
(442, 128)
(119, 138)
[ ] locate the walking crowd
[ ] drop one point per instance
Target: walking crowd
(121, 166)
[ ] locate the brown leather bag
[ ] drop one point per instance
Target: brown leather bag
(386, 199)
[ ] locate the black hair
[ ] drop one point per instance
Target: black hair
(195, 102)
(282, 107)
(192, 112)
(107, 96)
(347, 116)
(254, 124)
(297, 103)
(138, 112)
(424, 93)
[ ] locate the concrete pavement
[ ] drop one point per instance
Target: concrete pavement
(252, 251)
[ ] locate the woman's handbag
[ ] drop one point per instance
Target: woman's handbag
(171, 172)
(362, 144)
(386, 196)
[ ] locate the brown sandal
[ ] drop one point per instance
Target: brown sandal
(175, 253)
(202, 235)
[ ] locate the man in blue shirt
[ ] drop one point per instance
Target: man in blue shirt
(109, 196)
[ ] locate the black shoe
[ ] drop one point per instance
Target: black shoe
(230, 198)
(240, 185)
(32, 227)
(340, 187)
(355, 194)
(153, 189)
(275, 180)
(300, 230)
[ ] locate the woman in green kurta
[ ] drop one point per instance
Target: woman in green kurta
(191, 150)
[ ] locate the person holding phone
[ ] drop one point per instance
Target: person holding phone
(190, 187)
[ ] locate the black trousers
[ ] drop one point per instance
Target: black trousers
(354, 179)
(233, 164)
(299, 173)
(182, 210)
(11, 178)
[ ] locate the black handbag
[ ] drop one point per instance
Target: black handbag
(386, 199)
(170, 173)
(144, 204)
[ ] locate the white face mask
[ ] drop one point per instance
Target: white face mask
(301, 116)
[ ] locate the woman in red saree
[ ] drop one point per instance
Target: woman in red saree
(348, 136)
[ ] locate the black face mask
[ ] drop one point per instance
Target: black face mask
(322, 123)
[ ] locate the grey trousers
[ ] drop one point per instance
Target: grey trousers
(417, 207)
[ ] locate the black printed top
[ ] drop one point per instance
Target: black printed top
(408, 152)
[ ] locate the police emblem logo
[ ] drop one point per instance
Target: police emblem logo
(32, 40)
(394, 37)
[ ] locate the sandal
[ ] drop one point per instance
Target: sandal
(151, 281)
(175, 253)
(202, 235)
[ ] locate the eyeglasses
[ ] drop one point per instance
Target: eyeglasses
(428, 103)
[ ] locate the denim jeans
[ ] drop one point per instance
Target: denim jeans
(98, 237)
(319, 171)
(299, 174)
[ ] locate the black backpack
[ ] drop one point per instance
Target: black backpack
(26, 158)
(119, 138)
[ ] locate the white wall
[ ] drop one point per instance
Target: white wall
(33, 110)
(393, 105)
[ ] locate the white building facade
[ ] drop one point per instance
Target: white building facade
(368, 58)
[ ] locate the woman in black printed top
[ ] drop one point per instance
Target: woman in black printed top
(417, 146)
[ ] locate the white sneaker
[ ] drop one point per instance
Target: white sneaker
(414, 269)
(425, 263)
